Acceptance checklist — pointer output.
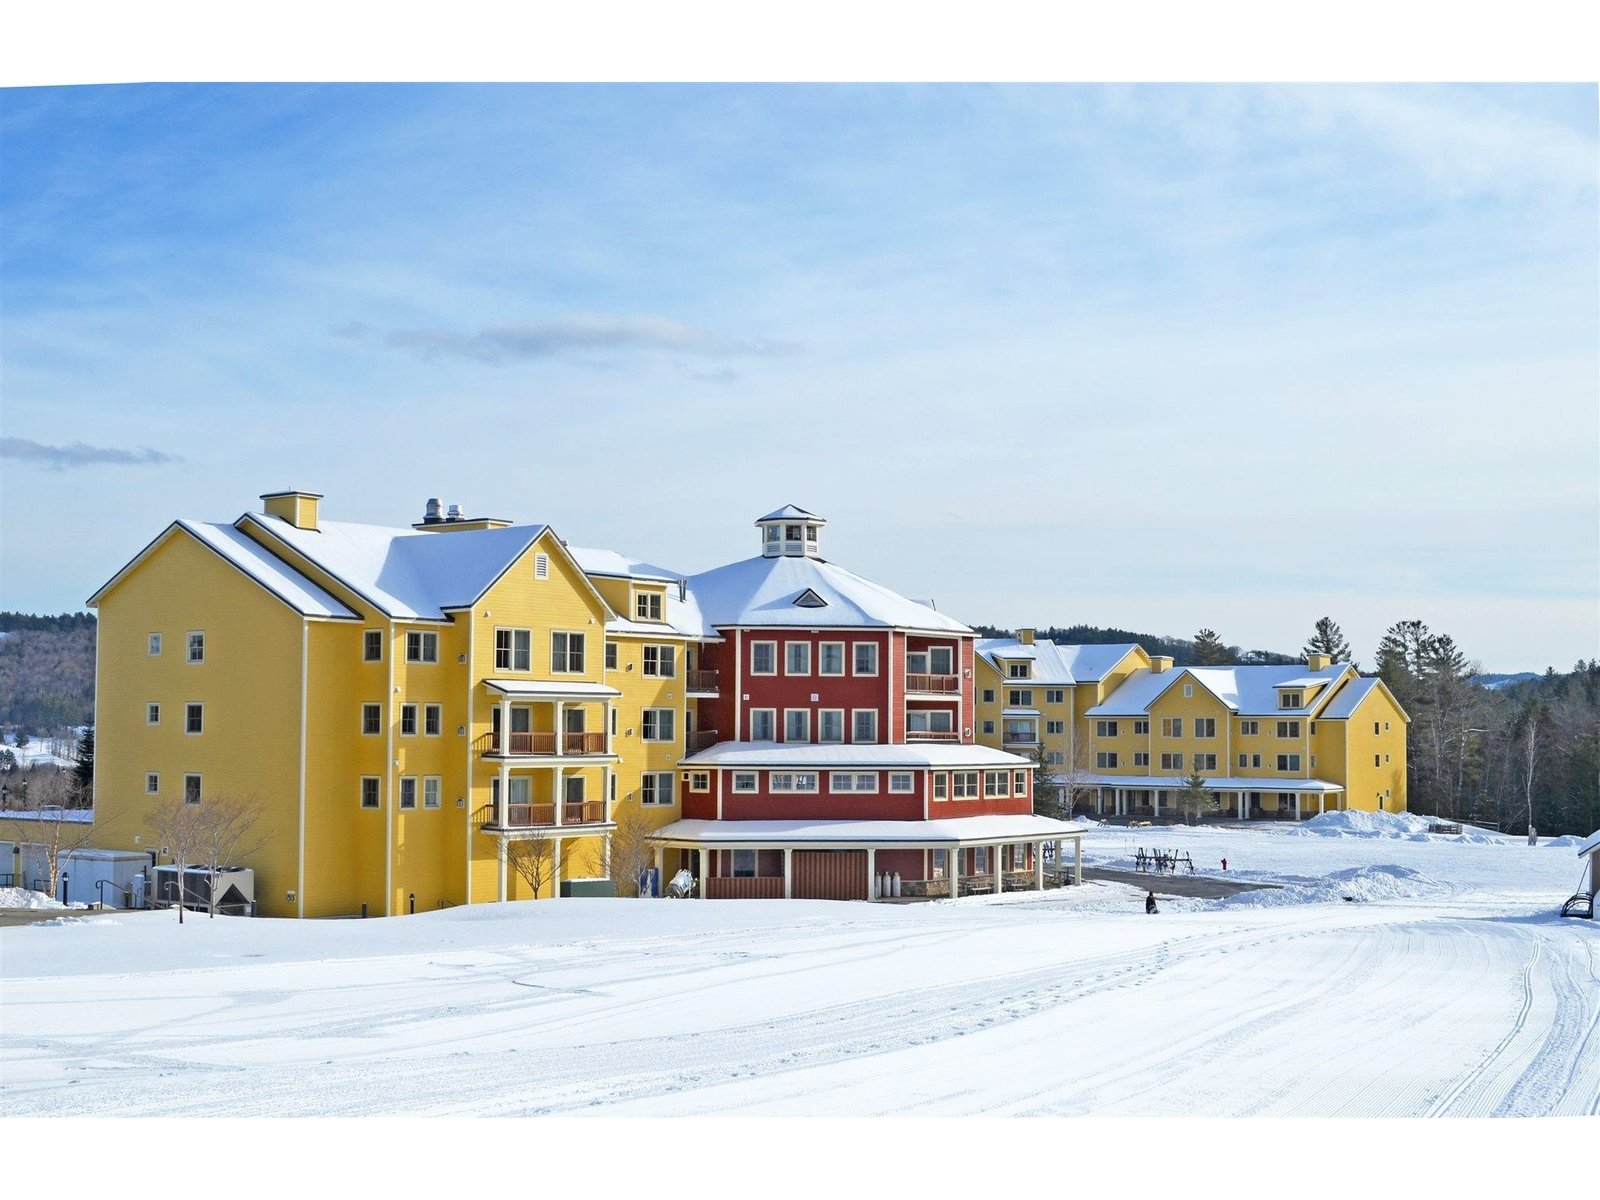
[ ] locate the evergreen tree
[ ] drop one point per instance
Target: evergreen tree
(84, 771)
(1209, 650)
(1329, 640)
(1196, 799)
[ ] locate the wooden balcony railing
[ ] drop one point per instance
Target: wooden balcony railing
(1018, 737)
(932, 735)
(702, 681)
(942, 685)
(766, 887)
(702, 739)
(533, 816)
(545, 743)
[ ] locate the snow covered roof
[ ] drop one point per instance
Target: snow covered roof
(548, 690)
(814, 756)
(1348, 699)
(950, 831)
(619, 566)
(791, 512)
(278, 577)
(681, 616)
(1590, 844)
(762, 591)
(406, 573)
(1056, 662)
(1248, 691)
(1217, 783)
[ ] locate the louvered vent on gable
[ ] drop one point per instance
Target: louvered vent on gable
(809, 599)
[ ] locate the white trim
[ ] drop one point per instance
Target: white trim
(789, 646)
(566, 655)
(188, 647)
(422, 636)
(844, 660)
(827, 741)
(877, 659)
(773, 714)
(801, 712)
(300, 833)
(199, 706)
(388, 779)
(753, 646)
(876, 739)
(155, 707)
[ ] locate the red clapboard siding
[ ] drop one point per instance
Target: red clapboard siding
(830, 875)
(723, 887)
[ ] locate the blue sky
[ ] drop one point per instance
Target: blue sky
(1154, 357)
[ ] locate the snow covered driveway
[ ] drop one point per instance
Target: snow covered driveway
(1465, 998)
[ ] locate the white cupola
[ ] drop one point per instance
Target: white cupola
(790, 531)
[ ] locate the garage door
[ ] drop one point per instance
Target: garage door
(830, 875)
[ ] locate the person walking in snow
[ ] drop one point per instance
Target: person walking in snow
(1150, 902)
(1224, 864)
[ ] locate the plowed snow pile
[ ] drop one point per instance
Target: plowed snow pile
(13, 897)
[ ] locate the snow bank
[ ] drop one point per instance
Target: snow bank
(1564, 841)
(13, 897)
(1370, 824)
(1387, 882)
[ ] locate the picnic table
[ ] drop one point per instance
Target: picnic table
(1163, 862)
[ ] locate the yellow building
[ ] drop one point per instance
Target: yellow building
(405, 704)
(1125, 729)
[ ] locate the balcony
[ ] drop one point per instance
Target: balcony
(701, 739)
(933, 685)
(701, 683)
(1019, 738)
(932, 735)
(544, 744)
(543, 816)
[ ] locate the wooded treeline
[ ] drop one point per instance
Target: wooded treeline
(46, 671)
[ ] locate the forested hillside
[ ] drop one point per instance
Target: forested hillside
(46, 670)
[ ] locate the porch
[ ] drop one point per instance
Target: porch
(545, 719)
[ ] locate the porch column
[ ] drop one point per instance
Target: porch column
(1038, 865)
(505, 725)
(872, 869)
(561, 727)
(500, 853)
(1077, 860)
(1238, 805)
(555, 873)
(788, 872)
(1099, 794)
(605, 800)
(1296, 806)
(705, 874)
(1322, 803)
(999, 871)
(558, 787)
(606, 856)
(606, 717)
(661, 870)
(503, 816)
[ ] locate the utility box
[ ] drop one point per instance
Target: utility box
(588, 887)
(235, 889)
(102, 876)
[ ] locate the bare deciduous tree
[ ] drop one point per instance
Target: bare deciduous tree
(51, 802)
(533, 858)
(214, 832)
(631, 850)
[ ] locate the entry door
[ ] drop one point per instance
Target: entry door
(574, 720)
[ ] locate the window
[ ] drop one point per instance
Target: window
(1375, 761)
(744, 864)
(830, 725)
(612, 788)
(988, 726)
(744, 781)
(1244, 760)
(191, 789)
(796, 725)
(1205, 727)
(1141, 759)
(1311, 727)
(1188, 690)
(661, 661)
(830, 658)
(1386, 727)
(1141, 728)
(371, 718)
(1313, 762)
(152, 784)
(941, 859)
(197, 646)
(613, 722)
(1019, 698)
(513, 649)
(154, 647)
(1055, 758)
(647, 606)
(994, 783)
(763, 658)
(941, 660)
(611, 656)
(408, 791)
(1055, 696)
(1055, 726)
(152, 714)
(1288, 729)
(566, 652)
(1255, 762)
(372, 645)
(791, 533)
(901, 781)
(1205, 762)
(763, 724)
(1172, 762)
(408, 720)
(369, 791)
(964, 785)
(432, 719)
(1019, 783)
(866, 658)
(193, 718)
(430, 791)
(1249, 728)
(1288, 762)
(988, 695)
(1105, 729)
(1105, 758)
(792, 781)
(847, 781)
(980, 860)
(864, 725)
(699, 781)
(422, 647)
(1172, 727)
(656, 788)
(1288, 699)
(797, 658)
(941, 786)
(1020, 670)
(541, 566)
(658, 724)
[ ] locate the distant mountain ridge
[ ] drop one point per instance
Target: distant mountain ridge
(1180, 650)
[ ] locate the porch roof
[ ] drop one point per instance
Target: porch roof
(952, 831)
(545, 689)
(1221, 783)
(822, 755)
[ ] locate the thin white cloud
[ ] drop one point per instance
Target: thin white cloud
(80, 454)
(579, 335)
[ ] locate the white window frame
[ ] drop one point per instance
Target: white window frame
(1289, 729)
(699, 781)
(772, 657)
(804, 714)
(376, 790)
(1105, 760)
(152, 712)
(1291, 699)
(194, 714)
(432, 785)
(657, 657)
(1141, 728)
(562, 664)
(1205, 762)
(1205, 727)
(370, 639)
(610, 659)
(996, 784)
(1288, 762)
(822, 725)
(408, 716)
(744, 782)
(505, 657)
(658, 717)
(1019, 698)
(941, 785)
(648, 605)
(855, 728)
(1141, 758)
(408, 793)
(433, 720)
(822, 657)
(771, 714)
(152, 645)
(1019, 783)
(988, 695)
(152, 783)
(1055, 695)
(193, 640)
(653, 786)
(788, 782)
(1055, 727)
(790, 648)
(1105, 729)
(902, 781)
(1249, 728)
(965, 785)
(855, 783)
(1172, 727)
(870, 649)
(196, 790)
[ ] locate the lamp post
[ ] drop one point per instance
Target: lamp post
(1461, 763)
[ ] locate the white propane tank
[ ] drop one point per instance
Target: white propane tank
(897, 885)
(877, 886)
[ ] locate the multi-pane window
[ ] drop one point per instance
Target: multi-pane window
(1055, 696)
(1055, 726)
(1019, 698)
(408, 791)
(864, 725)
(1019, 783)
(1105, 758)
(1141, 728)
(191, 789)
(1255, 761)
(153, 646)
(655, 788)
(994, 783)
(197, 646)
(1288, 729)
(901, 781)
(866, 658)
(763, 725)
(152, 784)
(830, 725)
(941, 786)
(744, 781)
(372, 645)
(152, 714)
(792, 781)
(661, 661)
(430, 791)
(1249, 728)
(1289, 699)
(988, 726)
(1205, 762)
(830, 658)
(980, 860)
(647, 606)
(432, 720)
(193, 718)
(1020, 670)
(763, 658)
(513, 649)
(658, 724)
(1055, 758)
(796, 725)
(1288, 762)
(1172, 762)
(1141, 758)
(371, 718)
(1105, 729)
(964, 785)
(566, 652)
(848, 781)
(1172, 727)
(422, 646)
(1244, 760)
(611, 656)
(797, 658)
(700, 781)
(1205, 727)
(408, 720)
(369, 791)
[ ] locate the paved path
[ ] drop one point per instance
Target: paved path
(1201, 887)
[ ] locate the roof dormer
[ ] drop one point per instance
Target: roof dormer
(791, 532)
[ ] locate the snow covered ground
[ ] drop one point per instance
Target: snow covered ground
(1443, 985)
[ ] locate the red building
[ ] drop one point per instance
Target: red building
(843, 756)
